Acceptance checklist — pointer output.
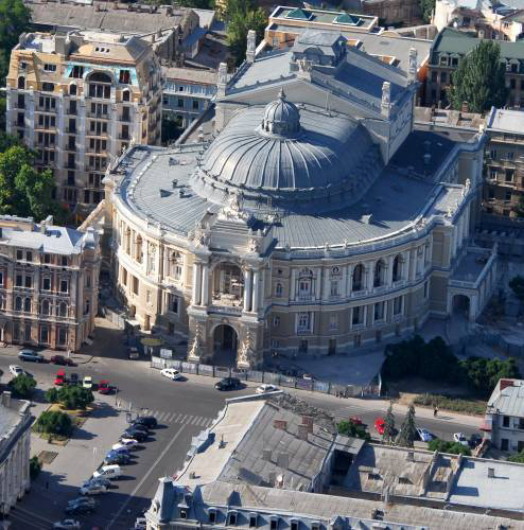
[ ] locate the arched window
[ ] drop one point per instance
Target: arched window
(379, 276)
(176, 265)
(397, 268)
(27, 305)
(305, 283)
(139, 254)
(46, 308)
(278, 290)
(21, 82)
(18, 303)
(72, 89)
(126, 95)
(358, 277)
(62, 309)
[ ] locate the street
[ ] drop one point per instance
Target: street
(183, 408)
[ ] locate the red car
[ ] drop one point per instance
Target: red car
(60, 378)
(61, 360)
(356, 420)
(104, 387)
(380, 425)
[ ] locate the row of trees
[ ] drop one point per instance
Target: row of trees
(70, 397)
(435, 361)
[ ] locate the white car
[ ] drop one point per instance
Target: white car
(87, 382)
(66, 524)
(172, 374)
(264, 389)
(15, 370)
(93, 489)
(460, 438)
(140, 523)
(125, 443)
(425, 435)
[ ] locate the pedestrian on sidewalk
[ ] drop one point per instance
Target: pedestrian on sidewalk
(435, 411)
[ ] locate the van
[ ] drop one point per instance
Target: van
(111, 472)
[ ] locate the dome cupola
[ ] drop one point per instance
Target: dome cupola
(281, 117)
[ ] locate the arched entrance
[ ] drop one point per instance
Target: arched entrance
(225, 345)
(461, 305)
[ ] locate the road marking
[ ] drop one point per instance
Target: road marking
(185, 418)
(178, 418)
(162, 416)
(144, 478)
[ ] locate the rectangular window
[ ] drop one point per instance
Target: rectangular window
(334, 288)
(48, 87)
(64, 286)
(426, 290)
(28, 282)
(174, 303)
(46, 284)
(397, 305)
(135, 285)
(65, 261)
(357, 315)
(19, 255)
(379, 311)
(47, 258)
(304, 322)
(333, 322)
(1, 278)
(505, 421)
(29, 256)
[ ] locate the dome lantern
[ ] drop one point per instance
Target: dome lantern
(281, 117)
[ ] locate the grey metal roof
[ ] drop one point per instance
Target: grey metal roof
(510, 400)
(327, 40)
(504, 120)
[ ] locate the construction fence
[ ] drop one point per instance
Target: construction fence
(281, 380)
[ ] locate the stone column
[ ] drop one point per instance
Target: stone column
(205, 284)
(369, 276)
(197, 279)
(256, 290)
(388, 280)
(293, 286)
(412, 264)
(318, 285)
(248, 290)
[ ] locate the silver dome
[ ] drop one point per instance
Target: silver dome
(322, 164)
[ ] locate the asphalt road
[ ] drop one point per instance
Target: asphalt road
(183, 408)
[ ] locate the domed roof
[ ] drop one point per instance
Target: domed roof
(281, 117)
(277, 158)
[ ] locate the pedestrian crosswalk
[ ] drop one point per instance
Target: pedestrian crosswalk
(167, 417)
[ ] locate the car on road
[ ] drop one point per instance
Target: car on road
(87, 382)
(74, 379)
(88, 501)
(66, 524)
(265, 389)
(475, 440)
(112, 472)
(31, 356)
(79, 509)
(15, 370)
(101, 481)
(122, 449)
(116, 457)
(60, 378)
(172, 374)
(148, 421)
(61, 360)
(356, 420)
(425, 435)
(104, 387)
(135, 434)
(460, 438)
(229, 383)
(92, 489)
(380, 426)
(126, 443)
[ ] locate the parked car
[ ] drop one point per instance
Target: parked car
(123, 450)
(356, 420)
(135, 434)
(133, 353)
(61, 360)
(104, 387)
(74, 379)
(79, 509)
(380, 426)
(475, 440)
(229, 383)
(15, 370)
(140, 523)
(31, 356)
(425, 435)
(460, 438)
(117, 457)
(60, 378)
(148, 421)
(87, 382)
(264, 389)
(101, 481)
(112, 472)
(125, 443)
(172, 374)
(139, 427)
(66, 524)
(82, 500)
(92, 489)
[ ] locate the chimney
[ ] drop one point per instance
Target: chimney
(412, 69)
(385, 104)
(303, 431)
(308, 420)
(6, 399)
(251, 46)
(491, 472)
(505, 383)
(280, 424)
(222, 80)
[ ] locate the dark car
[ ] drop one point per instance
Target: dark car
(139, 427)
(74, 379)
(475, 440)
(137, 434)
(77, 509)
(114, 457)
(148, 421)
(229, 383)
(61, 360)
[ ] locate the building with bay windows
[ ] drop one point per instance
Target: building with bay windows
(318, 219)
(48, 283)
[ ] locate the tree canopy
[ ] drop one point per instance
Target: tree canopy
(408, 431)
(54, 422)
(453, 448)
(15, 18)
(355, 430)
(22, 386)
(389, 425)
(70, 397)
(480, 80)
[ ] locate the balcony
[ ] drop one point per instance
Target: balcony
(99, 115)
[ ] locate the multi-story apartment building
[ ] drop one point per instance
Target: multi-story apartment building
(187, 93)
(48, 283)
(504, 422)
(504, 188)
(15, 450)
(451, 46)
(80, 100)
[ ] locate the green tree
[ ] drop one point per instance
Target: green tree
(480, 80)
(389, 425)
(483, 374)
(426, 9)
(54, 422)
(352, 429)
(517, 286)
(51, 395)
(408, 431)
(71, 397)
(15, 18)
(453, 448)
(517, 457)
(34, 467)
(22, 386)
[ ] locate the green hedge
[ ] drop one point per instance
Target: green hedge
(452, 404)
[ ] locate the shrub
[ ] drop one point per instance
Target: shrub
(70, 397)
(454, 448)
(350, 428)
(450, 403)
(51, 395)
(22, 386)
(34, 467)
(54, 422)
(517, 457)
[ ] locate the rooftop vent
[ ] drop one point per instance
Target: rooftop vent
(491, 472)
